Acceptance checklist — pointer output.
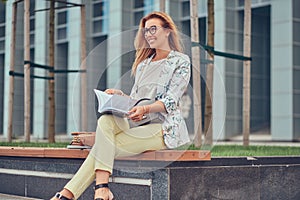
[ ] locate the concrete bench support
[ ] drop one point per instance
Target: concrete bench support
(153, 177)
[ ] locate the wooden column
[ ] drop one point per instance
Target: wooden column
(83, 74)
(196, 73)
(247, 73)
(51, 86)
(208, 120)
(27, 70)
(162, 5)
(12, 68)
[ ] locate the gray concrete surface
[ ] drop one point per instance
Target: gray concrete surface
(14, 197)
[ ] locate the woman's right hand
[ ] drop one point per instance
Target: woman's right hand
(114, 91)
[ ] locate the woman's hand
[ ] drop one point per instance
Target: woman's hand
(137, 113)
(114, 91)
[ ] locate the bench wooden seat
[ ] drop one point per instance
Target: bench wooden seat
(162, 155)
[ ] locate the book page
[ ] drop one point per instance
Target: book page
(102, 98)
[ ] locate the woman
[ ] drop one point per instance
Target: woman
(161, 73)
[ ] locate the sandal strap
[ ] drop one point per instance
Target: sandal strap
(103, 185)
(61, 197)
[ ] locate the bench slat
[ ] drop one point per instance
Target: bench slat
(162, 155)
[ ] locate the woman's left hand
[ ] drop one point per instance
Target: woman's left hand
(137, 113)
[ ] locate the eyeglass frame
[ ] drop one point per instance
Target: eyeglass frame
(148, 30)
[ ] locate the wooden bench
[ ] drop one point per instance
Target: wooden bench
(162, 155)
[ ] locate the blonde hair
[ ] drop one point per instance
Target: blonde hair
(142, 47)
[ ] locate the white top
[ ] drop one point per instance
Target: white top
(166, 80)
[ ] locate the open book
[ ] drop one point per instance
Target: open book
(120, 106)
(113, 104)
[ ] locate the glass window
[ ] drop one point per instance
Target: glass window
(2, 45)
(98, 26)
(61, 33)
(98, 9)
(296, 57)
(31, 39)
(137, 17)
(32, 7)
(61, 4)
(99, 16)
(185, 9)
(296, 80)
(297, 103)
(241, 2)
(296, 31)
(2, 31)
(138, 4)
(32, 25)
(296, 6)
(2, 13)
(62, 18)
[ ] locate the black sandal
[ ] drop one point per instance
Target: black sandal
(103, 185)
(61, 197)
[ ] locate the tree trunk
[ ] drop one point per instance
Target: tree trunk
(247, 73)
(12, 68)
(208, 122)
(162, 5)
(196, 73)
(27, 70)
(51, 97)
(83, 74)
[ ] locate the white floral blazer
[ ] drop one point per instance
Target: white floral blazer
(173, 81)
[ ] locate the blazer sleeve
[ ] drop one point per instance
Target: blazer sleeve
(177, 85)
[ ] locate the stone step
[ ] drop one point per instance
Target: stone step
(14, 197)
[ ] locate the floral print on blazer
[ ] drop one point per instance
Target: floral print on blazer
(175, 78)
(173, 81)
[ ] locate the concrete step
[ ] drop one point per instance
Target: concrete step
(14, 197)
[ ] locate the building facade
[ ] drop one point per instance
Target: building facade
(110, 29)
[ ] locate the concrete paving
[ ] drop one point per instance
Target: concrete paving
(14, 197)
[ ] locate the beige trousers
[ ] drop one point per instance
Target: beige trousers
(114, 139)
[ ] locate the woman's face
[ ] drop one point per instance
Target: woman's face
(155, 34)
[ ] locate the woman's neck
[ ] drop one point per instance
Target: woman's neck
(161, 54)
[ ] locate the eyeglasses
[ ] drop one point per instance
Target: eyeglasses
(152, 29)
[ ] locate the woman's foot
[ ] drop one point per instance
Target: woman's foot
(102, 192)
(63, 195)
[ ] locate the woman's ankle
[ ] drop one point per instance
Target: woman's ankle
(65, 192)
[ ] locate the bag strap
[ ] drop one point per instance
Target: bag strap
(140, 100)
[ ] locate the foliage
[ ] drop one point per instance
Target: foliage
(34, 144)
(217, 150)
(253, 150)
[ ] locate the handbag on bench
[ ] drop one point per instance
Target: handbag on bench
(120, 106)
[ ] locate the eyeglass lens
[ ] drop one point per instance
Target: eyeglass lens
(152, 30)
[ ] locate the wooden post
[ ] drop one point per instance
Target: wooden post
(83, 74)
(247, 73)
(12, 68)
(51, 97)
(162, 5)
(208, 120)
(27, 70)
(196, 73)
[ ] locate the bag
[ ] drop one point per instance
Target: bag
(120, 106)
(149, 118)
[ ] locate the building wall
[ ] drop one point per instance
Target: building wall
(282, 70)
(296, 69)
(111, 26)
